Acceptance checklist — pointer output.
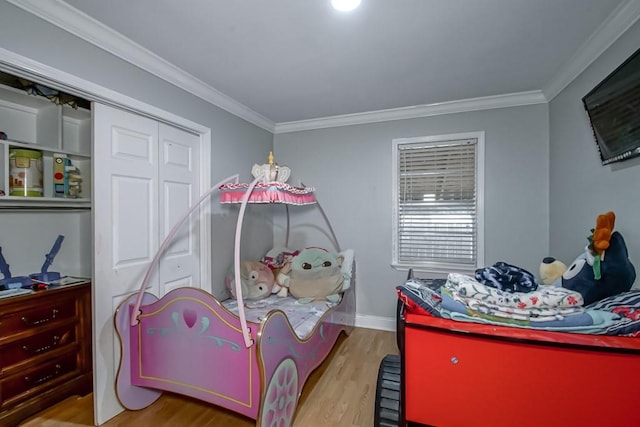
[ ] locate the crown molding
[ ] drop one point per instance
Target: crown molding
(450, 107)
(616, 24)
(70, 19)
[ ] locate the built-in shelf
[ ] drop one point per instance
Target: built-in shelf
(35, 123)
(12, 202)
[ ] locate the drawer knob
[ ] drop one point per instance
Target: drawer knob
(454, 360)
(54, 343)
(44, 378)
(29, 322)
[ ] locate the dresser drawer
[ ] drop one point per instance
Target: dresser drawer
(36, 316)
(45, 350)
(32, 381)
(15, 353)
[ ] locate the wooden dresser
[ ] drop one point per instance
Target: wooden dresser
(45, 350)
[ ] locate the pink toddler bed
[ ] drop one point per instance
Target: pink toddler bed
(255, 364)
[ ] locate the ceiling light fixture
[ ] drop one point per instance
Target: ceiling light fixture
(345, 5)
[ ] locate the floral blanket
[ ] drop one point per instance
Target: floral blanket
(548, 297)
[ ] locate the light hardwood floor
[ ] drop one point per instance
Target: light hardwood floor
(340, 393)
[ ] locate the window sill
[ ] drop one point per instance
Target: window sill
(436, 270)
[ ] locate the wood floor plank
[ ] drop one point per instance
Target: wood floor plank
(340, 393)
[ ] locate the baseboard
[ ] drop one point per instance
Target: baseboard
(376, 322)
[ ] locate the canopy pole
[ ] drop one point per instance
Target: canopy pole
(165, 244)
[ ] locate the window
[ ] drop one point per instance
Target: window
(437, 202)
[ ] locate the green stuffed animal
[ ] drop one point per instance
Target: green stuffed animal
(314, 273)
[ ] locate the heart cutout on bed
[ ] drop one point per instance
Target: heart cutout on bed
(190, 317)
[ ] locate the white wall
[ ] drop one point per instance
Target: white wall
(350, 167)
(236, 144)
(581, 188)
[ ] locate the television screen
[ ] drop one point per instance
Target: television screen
(613, 107)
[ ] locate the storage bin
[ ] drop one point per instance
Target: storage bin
(25, 172)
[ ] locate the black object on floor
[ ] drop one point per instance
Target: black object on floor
(388, 403)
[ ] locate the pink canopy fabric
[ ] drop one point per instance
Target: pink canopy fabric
(268, 192)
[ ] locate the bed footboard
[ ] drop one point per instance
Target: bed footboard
(188, 344)
(129, 395)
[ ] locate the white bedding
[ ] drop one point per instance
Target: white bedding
(303, 317)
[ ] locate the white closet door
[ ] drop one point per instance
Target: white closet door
(125, 231)
(146, 176)
(179, 190)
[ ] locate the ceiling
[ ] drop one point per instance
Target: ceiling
(298, 60)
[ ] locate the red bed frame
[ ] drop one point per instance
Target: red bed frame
(466, 374)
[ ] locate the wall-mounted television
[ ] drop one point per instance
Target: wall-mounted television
(613, 107)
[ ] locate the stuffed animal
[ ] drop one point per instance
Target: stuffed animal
(277, 257)
(614, 273)
(551, 271)
(314, 273)
(256, 281)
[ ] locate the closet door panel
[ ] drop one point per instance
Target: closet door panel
(125, 231)
(127, 192)
(179, 190)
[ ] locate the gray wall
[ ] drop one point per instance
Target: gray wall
(350, 167)
(236, 144)
(581, 188)
(24, 246)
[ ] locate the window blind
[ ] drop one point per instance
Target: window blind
(437, 206)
